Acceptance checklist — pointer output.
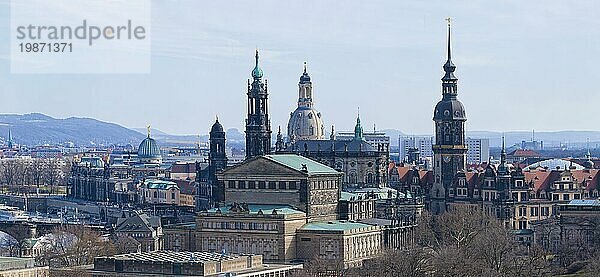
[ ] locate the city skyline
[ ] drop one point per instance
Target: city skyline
(390, 66)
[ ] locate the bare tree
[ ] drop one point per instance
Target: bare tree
(9, 172)
(466, 242)
(53, 174)
(37, 172)
(74, 246)
(399, 263)
(9, 246)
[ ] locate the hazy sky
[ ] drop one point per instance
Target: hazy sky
(521, 65)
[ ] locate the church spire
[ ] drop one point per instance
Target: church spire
(503, 152)
(449, 80)
(10, 138)
(358, 130)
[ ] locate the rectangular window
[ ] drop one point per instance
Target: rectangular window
(524, 196)
(251, 184)
(545, 211)
(534, 211)
(241, 184)
(281, 184)
(231, 184)
(272, 185)
(292, 185)
(261, 185)
(565, 197)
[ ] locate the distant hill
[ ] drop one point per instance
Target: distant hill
(233, 135)
(166, 139)
(38, 129)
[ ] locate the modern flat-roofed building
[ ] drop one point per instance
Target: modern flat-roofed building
(188, 264)
(478, 150)
(422, 144)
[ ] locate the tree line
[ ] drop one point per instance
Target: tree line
(32, 175)
(467, 242)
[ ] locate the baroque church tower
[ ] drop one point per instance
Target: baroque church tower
(217, 158)
(305, 122)
(449, 148)
(258, 125)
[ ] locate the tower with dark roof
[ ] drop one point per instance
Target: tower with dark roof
(217, 161)
(258, 125)
(305, 121)
(217, 158)
(449, 148)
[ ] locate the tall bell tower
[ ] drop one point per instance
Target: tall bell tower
(258, 125)
(449, 149)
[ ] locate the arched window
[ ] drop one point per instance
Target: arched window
(352, 178)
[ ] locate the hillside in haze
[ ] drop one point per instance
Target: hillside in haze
(38, 129)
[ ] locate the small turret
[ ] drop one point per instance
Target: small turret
(358, 130)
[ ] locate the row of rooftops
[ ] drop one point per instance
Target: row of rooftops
(538, 178)
(262, 209)
(175, 257)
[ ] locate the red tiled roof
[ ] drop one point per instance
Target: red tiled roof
(186, 187)
(590, 176)
(183, 168)
(541, 178)
(472, 179)
(524, 153)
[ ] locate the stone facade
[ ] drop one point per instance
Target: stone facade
(270, 234)
(363, 164)
(111, 180)
(270, 202)
(266, 180)
(341, 242)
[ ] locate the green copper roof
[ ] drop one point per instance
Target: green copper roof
(257, 72)
(160, 184)
(347, 196)
(297, 162)
(266, 209)
(336, 225)
(358, 130)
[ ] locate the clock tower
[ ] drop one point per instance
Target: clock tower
(449, 148)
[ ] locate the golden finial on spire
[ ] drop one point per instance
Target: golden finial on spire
(148, 127)
(449, 20)
(304, 66)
